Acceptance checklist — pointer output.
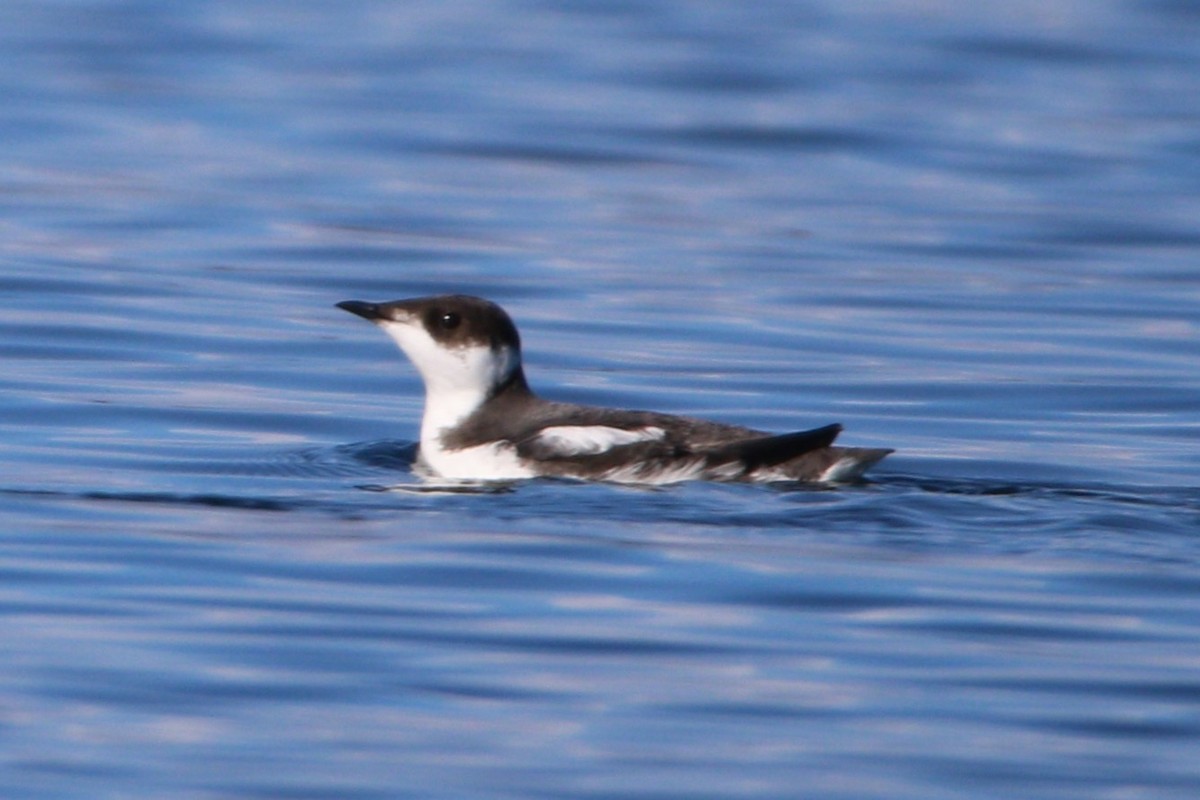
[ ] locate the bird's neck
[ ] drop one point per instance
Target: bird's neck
(448, 407)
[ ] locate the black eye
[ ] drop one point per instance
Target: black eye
(448, 320)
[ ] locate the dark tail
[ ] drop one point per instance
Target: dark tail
(765, 452)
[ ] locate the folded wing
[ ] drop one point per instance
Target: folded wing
(653, 454)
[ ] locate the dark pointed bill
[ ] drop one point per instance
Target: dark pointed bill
(365, 310)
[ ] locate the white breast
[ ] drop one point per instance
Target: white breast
(485, 462)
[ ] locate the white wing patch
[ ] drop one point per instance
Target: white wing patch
(586, 440)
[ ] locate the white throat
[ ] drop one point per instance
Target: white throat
(453, 395)
(458, 380)
(449, 399)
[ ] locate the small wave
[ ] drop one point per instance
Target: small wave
(358, 459)
(1173, 497)
(447, 487)
(208, 499)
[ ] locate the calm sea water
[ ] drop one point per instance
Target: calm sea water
(966, 231)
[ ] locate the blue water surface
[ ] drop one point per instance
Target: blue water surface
(965, 231)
